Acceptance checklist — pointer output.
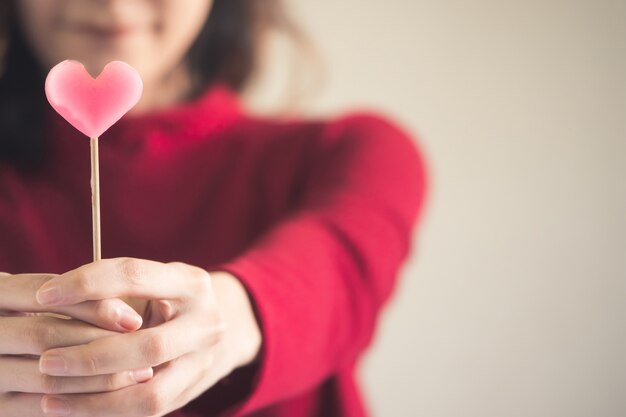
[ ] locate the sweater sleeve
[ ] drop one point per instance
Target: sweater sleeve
(319, 277)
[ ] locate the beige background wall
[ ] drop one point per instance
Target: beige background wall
(513, 304)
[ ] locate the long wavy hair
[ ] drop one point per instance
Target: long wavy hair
(226, 50)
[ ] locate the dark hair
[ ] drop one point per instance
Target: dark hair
(226, 50)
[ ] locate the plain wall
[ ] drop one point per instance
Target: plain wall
(513, 301)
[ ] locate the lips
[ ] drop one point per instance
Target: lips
(103, 31)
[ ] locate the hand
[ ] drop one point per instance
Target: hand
(204, 328)
(27, 330)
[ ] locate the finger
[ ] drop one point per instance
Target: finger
(110, 278)
(22, 375)
(112, 314)
(141, 349)
(158, 396)
(17, 291)
(20, 405)
(17, 295)
(35, 335)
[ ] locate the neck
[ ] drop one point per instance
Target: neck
(174, 88)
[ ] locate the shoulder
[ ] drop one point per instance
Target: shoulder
(363, 139)
(360, 153)
(370, 129)
(366, 124)
(359, 129)
(377, 140)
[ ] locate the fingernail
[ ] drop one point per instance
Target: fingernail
(52, 365)
(55, 406)
(142, 375)
(49, 296)
(129, 319)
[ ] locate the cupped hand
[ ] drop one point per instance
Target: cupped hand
(200, 328)
(27, 329)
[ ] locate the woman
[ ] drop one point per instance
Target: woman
(257, 254)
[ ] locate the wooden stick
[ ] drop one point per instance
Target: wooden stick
(95, 199)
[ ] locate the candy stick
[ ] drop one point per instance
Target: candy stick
(92, 107)
(95, 199)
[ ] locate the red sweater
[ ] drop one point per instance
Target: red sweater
(314, 217)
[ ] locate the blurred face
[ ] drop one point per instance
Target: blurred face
(151, 35)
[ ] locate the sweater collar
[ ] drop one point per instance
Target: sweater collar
(216, 108)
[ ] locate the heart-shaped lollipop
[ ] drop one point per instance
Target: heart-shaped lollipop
(93, 105)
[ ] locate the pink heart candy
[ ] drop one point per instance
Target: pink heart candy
(93, 106)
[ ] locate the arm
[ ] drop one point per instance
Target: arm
(319, 278)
